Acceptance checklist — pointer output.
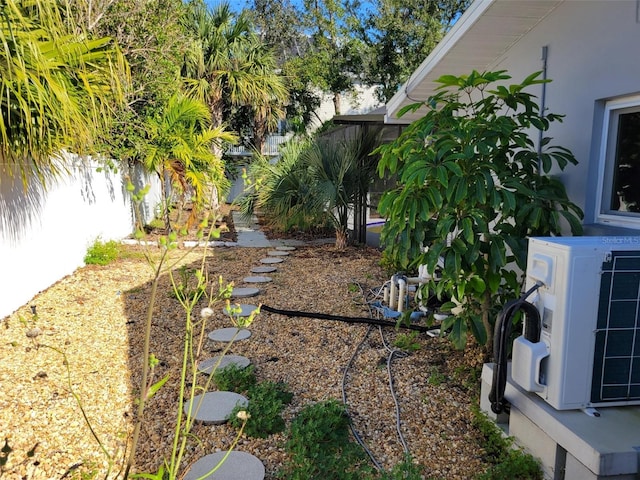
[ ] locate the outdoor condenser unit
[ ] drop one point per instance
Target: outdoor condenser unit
(589, 302)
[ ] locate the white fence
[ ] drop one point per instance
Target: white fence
(271, 147)
(44, 234)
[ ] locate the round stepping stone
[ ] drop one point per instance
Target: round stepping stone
(257, 279)
(206, 366)
(245, 292)
(226, 334)
(213, 408)
(263, 269)
(271, 260)
(245, 310)
(237, 466)
(285, 248)
(277, 253)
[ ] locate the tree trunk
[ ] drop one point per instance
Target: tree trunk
(165, 202)
(336, 102)
(217, 120)
(259, 133)
(486, 306)
(341, 239)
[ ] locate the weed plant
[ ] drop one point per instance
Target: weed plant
(192, 289)
(407, 342)
(233, 378)
(436, 377)
(102, 253)
(266, 403)
(405, 470)
(320, 447)
(187, 284)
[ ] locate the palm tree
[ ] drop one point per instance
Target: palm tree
(281, 191)
(229, 67)
(315, 183)
(341, 172)
(56, 87)
(180, 152)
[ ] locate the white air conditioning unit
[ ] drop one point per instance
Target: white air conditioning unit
(589, 302)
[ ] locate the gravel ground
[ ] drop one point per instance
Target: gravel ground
(85, 342)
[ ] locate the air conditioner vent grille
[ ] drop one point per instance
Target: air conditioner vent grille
(616, 367)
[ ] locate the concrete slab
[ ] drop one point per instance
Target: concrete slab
(243, 292)
(269, 260)
(289, 242)
(285, 248)
(245, 310)
(227, 334)
(264, 269)
(237, 466)
(248, 232)
(214, 408)
(607, 445)
(252, 239)
(206, 366)
(278, 253)
(257, 279)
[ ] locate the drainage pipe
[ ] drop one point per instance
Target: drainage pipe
(339, 318)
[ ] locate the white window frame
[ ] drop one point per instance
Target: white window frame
(608, 143)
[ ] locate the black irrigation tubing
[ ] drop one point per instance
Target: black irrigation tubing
(339, 318)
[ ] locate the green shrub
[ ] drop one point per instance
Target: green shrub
(473, 184)
(266, 402)
(235, 379)
(405, 470)
(320, 448)
(102, 253)
(506, 461)
(515, 465)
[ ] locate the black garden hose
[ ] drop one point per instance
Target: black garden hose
(340, 318)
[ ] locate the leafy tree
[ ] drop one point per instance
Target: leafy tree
(472, 187)
(279, 25)
(57, 87)
(334, 58)
(180, 150)
(304, 102)
(399, 35)
(152, 39)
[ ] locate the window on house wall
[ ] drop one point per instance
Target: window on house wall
(619, 190)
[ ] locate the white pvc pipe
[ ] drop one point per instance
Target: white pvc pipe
(393, 294)
(402, 293)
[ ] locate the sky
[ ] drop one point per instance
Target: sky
(238, 5)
